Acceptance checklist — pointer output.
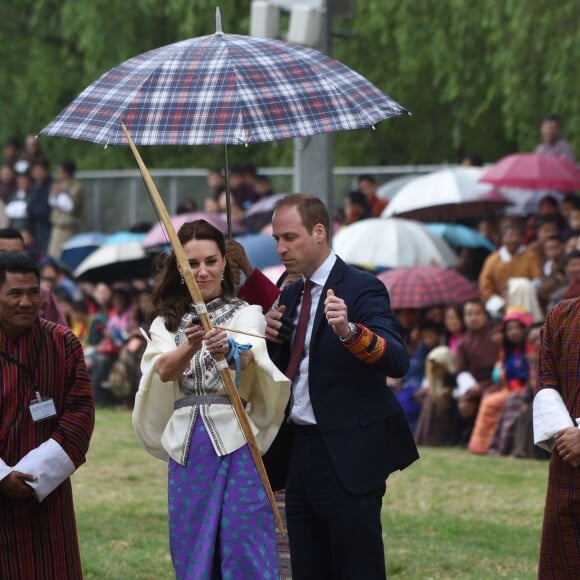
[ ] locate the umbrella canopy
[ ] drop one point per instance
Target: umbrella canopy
(452, 193)
(260, 249)
(115, 262)
(532, 171)
(389, 189)
(425, 286)
(391, 243)
(156, 236)
(460, 236)
(223, 89)
(78, 247)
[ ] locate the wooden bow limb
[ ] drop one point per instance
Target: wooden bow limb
(183, 264)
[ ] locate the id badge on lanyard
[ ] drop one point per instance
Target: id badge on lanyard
(42, 408)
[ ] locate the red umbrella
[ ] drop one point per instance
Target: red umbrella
(532, 171)
(425, 286)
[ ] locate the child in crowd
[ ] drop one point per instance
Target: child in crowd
(430, 335)
(453, 326)
(510, 374)
(437, 418)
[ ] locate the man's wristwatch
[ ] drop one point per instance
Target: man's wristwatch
(353, 331)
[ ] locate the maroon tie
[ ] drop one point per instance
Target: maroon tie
(300, 334)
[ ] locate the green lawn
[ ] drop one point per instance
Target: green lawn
(450, 515)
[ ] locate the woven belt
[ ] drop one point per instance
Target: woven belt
(202, 400)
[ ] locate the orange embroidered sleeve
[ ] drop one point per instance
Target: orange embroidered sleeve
(367, 346)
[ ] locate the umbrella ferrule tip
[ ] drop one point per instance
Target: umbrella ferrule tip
(218, 21)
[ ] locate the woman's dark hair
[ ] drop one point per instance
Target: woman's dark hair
(171, 298)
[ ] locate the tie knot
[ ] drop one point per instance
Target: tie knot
(308, 284)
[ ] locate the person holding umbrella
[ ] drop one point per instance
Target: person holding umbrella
(345, 431)
(220, 521)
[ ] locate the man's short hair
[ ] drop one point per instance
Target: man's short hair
(573, 255)
(17, 263)
(311, 209)
(552, 117)
(68, 166)
(11, 234)
(366, 177)
(513, 225)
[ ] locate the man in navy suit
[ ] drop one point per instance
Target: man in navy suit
(345, 431)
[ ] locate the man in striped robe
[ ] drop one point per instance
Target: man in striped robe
(46, 421)
(556, 417)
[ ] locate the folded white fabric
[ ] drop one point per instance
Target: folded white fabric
(464, 381)
(550, 416)
(51, 465)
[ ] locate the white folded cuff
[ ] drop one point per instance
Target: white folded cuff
(4, 469)
(51, 466)
(465, 381)
(550, 416)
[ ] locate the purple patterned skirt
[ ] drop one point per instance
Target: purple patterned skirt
(220, 521)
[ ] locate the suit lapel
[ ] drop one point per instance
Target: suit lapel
(333, 281)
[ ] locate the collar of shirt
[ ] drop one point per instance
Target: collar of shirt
(320, 276)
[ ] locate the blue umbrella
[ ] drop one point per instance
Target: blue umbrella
(122, 237)
(260, 249)
(460, 236)
(78, 247)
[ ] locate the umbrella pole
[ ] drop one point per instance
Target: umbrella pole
(228, 193)
(191, 284)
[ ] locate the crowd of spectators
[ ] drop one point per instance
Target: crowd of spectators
(472, 372)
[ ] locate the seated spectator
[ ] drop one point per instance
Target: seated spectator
(356, 207)
(430, 334)
(554, 269)
(121, 321)
(80, 321)
(513, 434)
(571, 286)
(510, 261)
(548, 227)
(367, 184)
(477, 354)
(510, 374)
(7, 183)
(436, 422)
(16, 209)
(263, 187)
(521, 294)
(453, 326)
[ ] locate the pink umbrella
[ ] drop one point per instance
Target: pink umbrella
(532, 171)
(157, 237)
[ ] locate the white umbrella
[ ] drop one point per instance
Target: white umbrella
(451, 193)
(391, 243)
(115, 262)
(389, 189)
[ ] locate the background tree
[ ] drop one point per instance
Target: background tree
(477, 76)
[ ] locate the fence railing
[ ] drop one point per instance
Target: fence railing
(117, 200)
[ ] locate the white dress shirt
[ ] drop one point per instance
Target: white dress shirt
(302, 412)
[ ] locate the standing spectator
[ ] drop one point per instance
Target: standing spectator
(453, 326)
(38, 206)
(16, 209)
(552, 144)
(367, 184)
(11, 150)
(512, 260)
(40, 445)
(556, 411)
(7, 182)
(345, 431)
(31, 155)
(66, 201)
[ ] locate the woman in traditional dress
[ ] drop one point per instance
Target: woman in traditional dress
(220, 520)
(510, 373)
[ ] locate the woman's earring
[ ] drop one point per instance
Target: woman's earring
(223, 274)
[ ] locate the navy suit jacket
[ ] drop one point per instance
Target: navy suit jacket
(362, 425)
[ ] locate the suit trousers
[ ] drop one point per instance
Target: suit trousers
(333, 533)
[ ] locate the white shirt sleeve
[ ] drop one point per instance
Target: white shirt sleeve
(4, 469)
(51, 465)
(63, 202)
(550, 416)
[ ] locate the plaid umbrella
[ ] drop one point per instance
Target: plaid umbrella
(425, 286)
(223, 89)
(533, 171)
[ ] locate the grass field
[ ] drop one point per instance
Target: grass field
(450, 515)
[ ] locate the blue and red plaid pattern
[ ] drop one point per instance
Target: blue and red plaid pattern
(223, 89)
(425, 286)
